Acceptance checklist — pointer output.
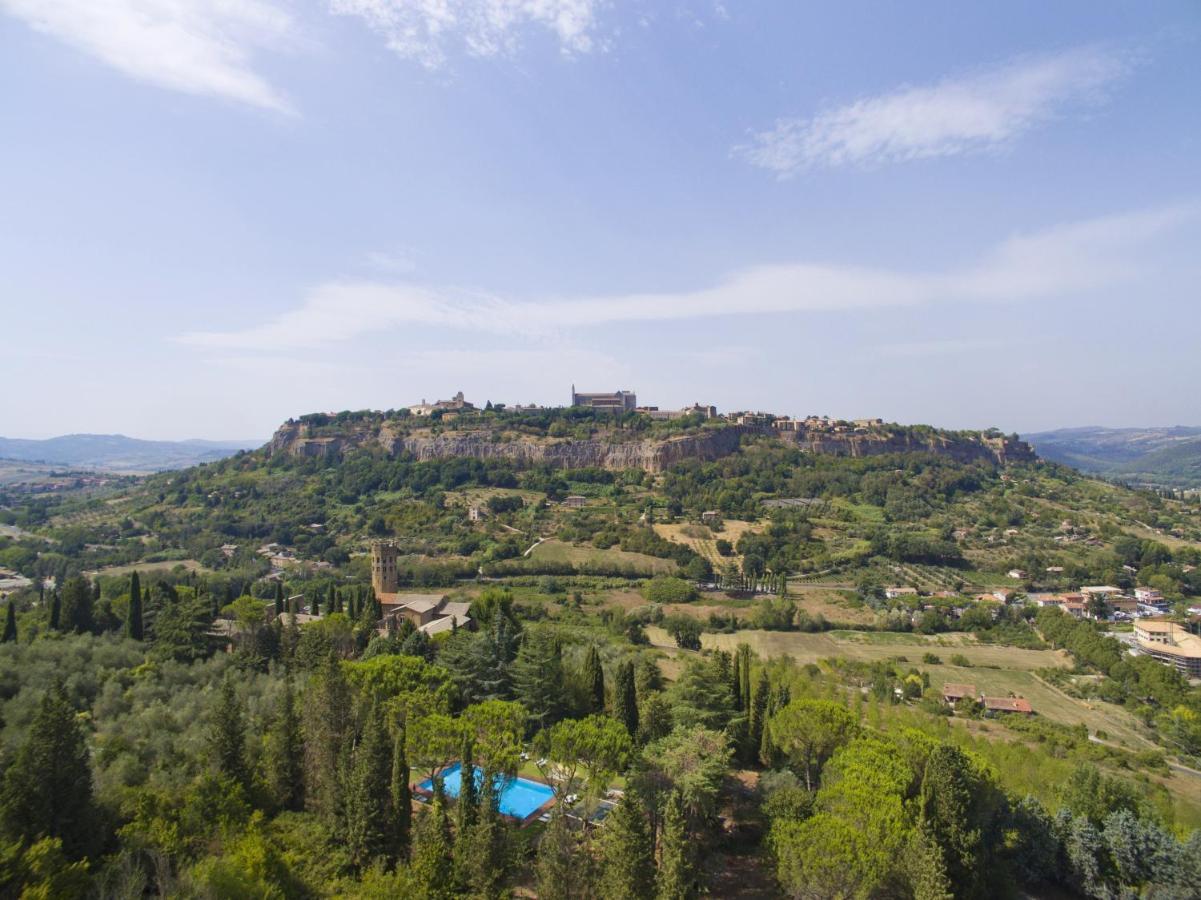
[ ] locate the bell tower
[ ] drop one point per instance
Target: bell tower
(384, 578)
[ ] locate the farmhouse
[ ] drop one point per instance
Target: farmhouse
(952, 692)
(892, 593)
(993, 705)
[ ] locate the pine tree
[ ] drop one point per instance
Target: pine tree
(627, 859)
(134, 626)
(228, 734)
(285, 760)
(368, 794)
(279, 599)
(676, 879)
(10, 624)
(625, 699)
(594, 681)
(402, 797)
(47, 791)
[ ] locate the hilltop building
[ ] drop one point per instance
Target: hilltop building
(617, 402)
(455, 405)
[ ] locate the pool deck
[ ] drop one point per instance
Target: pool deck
(425, 795)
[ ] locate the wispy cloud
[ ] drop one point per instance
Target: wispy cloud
(974, 112)
(427, 30)
(1059, 262)
(194, 46)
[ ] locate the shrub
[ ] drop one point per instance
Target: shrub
(959, 659)
(666, 589)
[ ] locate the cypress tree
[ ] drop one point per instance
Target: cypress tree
(485, 851)
(315, 606)
(627, 858)
(594, 681)
(758, 717)
(368, 793)
(134, 626)
(625, 699)
(402, 797)
(56, 610)
(279, 599)
(285, 762)
(333, 602)
(328, 711)
(227, 736)
(214, 605)
(47, 791)
(675, 880)
(432, 860)
(10, 624)
(469, 801)
(563, 870)
(352, 607)
(75, 611)
(736, 685)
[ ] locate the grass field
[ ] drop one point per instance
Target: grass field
(165, 566)
(1014, 673)
(1117, 724)
(869, 646)
(706, 545)
(558, 551)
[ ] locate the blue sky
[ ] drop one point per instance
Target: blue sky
(218, 214)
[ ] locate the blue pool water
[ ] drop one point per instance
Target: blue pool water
(519, 797)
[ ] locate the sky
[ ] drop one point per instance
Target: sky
(219, 214)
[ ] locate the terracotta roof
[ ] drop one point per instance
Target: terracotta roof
(1007, 704)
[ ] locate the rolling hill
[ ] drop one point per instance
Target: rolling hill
(1168, 456)
(118, 453)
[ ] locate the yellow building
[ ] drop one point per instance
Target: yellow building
(1171, 644)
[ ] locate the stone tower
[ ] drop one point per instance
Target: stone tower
(383, 567)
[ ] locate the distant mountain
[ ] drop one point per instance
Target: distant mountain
(1165, 456)
(118, 453)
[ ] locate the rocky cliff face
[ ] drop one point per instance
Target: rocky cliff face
(298, 439)
(1001, 450)
(301, 439)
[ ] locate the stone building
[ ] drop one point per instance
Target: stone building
(617, 402)
(384, 577)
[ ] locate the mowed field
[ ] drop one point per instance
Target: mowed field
(164, 566)
(558, 551)
(869, 646)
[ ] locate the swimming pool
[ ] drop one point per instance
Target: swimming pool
(518, 797)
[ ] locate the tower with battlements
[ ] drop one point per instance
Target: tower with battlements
(384, 578)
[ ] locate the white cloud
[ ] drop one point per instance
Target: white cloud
(423, 30)
(1051, 264)
(976, 112)
(194, 46)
